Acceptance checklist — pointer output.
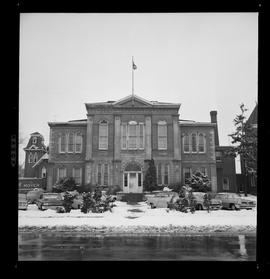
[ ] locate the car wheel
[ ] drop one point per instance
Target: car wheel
(232, 206)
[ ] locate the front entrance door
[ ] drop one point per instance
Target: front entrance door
(133, 184)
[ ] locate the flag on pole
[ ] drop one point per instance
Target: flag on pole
(134, 66)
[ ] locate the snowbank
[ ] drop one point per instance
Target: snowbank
(139, 218)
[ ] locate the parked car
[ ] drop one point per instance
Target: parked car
(34, 195)
(160, 199)
(200, 205)
(22, 202)
(247, 203)
(50, 200)
(229, 200)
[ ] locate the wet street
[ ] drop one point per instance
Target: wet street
(68, 246)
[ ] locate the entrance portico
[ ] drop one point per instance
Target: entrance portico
(132, 178)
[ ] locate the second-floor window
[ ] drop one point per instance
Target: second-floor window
(70, 142)
(103, 135)
(78, 143)
(162, 135)
(194, 143)
(186, 143)
(132, 135)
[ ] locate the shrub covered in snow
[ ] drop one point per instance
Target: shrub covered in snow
(68, 201)
(64, 184)
(199, 182)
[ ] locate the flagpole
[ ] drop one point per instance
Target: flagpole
(132, 79)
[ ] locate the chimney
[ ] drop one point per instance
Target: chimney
(213, 115)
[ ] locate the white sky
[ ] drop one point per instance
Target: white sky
(204, 61)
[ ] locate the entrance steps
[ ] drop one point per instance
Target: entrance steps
(132, 197)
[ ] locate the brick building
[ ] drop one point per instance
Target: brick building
(115, 143)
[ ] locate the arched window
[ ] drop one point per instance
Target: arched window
(193, 143)
(201, 143)
(43, 172)
(103, 135)
(35, 157)
(70, 142)
(186, 143)
(62, 143)
(30, 158)
(162, 135)
(132, 135)
(78, 143)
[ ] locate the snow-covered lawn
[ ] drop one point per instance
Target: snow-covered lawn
(141, 215)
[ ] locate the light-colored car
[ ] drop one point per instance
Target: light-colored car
(200, 204)
(22, 202)
(229, 200)
(34, 195)
(247, 203)
(160, 199)
(50, 200)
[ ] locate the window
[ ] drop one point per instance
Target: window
(159, 176)
(34, 140)
(30, 158)
(139, 179)
(226, 183)
(78, 143)
(193, 143)
(186, 143)
(132, 136)
(162, 135)
(71, 143)
(61, 173)
(218, 156)
(43, 172)
(62, 143)
(124, 136)
(77, 175)
(125, 179)
(203, 170)
(141, 136)
(106, 175)
(187, 173)
(201, 143)
(99, 174)
(103, 135)
(35, 157)
(166, 175)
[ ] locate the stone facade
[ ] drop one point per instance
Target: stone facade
(113, 145)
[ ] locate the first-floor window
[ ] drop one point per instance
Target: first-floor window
(77, 175)
(139, 179)
(159, 174)
(61, 173)
(125, 179)
(99, 174)
(166, 175)
(226, 183)
(43, 172)
(106, 175)
(187, 173)
(203, 170)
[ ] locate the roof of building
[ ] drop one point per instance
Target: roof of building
(44, 157)
(253, 118)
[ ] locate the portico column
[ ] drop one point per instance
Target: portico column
(89, 137)
(148, 146)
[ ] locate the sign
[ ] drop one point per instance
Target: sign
(28, 184)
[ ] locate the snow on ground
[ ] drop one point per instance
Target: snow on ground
(141, 215)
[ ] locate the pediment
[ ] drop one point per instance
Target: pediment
(132, 101)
